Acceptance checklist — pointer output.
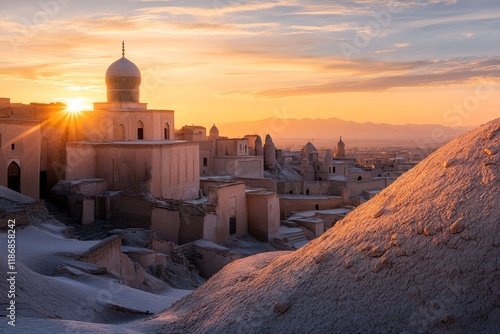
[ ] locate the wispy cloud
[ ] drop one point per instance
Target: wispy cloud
(448, 73)
(218, 8)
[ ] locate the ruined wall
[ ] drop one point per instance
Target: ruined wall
(207, 151)
(88, 215)
(356, 188)
(169, 170)
(130, 211)
(176, 171)
(123, 165)
(229, 201)
(108, 254)
(81, 161)
(240, 166)
(166, 224)
(92, 188)
(22, 213)
(290, 187)
(263, 215)
(268, 184)
(191, 223)
(355, 174)
(206, 184)
(20, 142)
(210, 227)
(53, 152)
(315, 225)
(291, 204)
(232, 147)
(105, 254)
(211, 258)
(91, 204)
(20, 217)
(316, 188)
(309, 170)
(329, 219)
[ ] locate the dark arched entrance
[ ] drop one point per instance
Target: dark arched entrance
(166, 131)
(14, 177)
(140, 130)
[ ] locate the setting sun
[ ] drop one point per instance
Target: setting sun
(75, 105)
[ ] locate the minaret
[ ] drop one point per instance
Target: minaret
(214, 133)
(340, 153)
(269, 154)
(259, 151)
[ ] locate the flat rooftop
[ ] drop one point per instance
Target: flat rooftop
(302, 197)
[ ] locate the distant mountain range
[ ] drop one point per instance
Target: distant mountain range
(329, 130)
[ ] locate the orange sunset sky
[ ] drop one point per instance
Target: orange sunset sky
(429, 61)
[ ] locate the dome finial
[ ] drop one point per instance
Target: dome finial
(123, 48)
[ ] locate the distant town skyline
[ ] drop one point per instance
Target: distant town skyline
(396, 62)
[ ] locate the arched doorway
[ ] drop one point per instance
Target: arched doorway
(166, 131)
(140, 130)
(14, 177)
(120, 132)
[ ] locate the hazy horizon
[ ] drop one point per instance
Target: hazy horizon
(209, 125)
(326, 132)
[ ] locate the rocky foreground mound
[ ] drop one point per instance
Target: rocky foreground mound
(421, 257)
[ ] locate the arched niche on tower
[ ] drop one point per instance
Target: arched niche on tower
(140, 130)
(120, 132)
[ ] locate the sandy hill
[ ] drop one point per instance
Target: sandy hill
(69, 301)
(421, 257)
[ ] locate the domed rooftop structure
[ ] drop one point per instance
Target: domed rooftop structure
(328, 158)
(213, 133)
(307, 150)
(123, 68)
(123, 79)
(214, 130)
(309, 147)
(269, 140)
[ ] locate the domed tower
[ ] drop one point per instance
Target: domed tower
(340, 153)
(214, 133)
(259, 151)
(328, 162)
(123, 79)
(269, 154)
(309, 152)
